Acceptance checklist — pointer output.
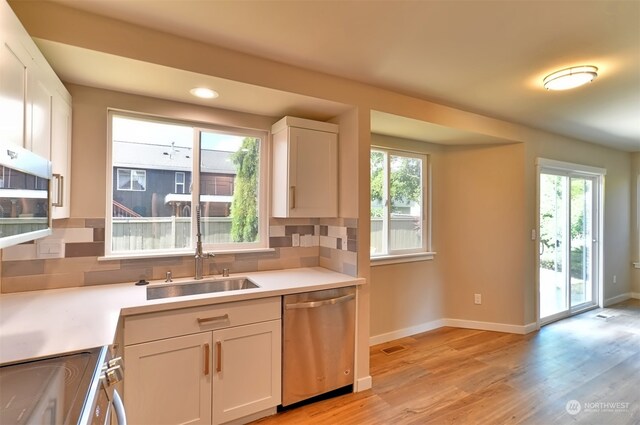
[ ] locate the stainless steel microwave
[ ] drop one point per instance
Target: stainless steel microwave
(25, 208)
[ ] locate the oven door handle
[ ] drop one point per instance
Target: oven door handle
(118, 406)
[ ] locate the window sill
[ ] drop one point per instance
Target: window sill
(133, 256)
(383, 260)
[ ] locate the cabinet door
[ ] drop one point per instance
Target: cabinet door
(38, 114)
(247, 366)
(313, 173)
(61, 157)
(169, 381)
(13, 83)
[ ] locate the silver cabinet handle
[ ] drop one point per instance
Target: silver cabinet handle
(292, 189)
(205, 320)
(314, 304)
(60, 201)
(219, 359)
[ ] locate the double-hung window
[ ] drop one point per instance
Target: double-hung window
(179, 182)
(161, 170)
(134, 180)
(399, 224)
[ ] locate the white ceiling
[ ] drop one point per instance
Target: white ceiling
(487, 57)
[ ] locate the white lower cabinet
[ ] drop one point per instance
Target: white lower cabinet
(244, 382)
(203, 365)
(165, 381)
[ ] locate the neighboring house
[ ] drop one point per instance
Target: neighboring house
(154, 180)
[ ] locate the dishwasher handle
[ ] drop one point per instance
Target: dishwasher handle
(314, 304)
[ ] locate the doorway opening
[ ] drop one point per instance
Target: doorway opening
(569, 226)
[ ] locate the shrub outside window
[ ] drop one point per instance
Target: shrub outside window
(398, 218)
(159, 168)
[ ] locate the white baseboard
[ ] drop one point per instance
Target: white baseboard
(531, 327)
(618, 299)
(454, 323)
(401, 333)
(491, 326)
(362, 384)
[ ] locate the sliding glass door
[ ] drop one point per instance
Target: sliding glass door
(568, 242)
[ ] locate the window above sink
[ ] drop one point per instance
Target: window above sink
(159, 168)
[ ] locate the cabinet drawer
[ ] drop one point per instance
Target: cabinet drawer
(171, 323)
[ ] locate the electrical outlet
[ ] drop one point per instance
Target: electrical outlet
(615, 279)
(295, 239)
(477, 298)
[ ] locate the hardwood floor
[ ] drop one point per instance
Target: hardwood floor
(464, 376)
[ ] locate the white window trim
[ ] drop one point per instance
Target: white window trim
(183, 183)
(572, 169)
(131, 171)
(263, 201)
(383, 260)
(417, 254)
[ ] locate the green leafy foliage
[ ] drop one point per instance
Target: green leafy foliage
(405, 180)
(244, 208)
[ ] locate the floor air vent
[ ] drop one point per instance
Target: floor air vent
(393, 349)
(604, 316)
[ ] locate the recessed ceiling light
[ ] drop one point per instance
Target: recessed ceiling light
(570, 78)
(203, 93)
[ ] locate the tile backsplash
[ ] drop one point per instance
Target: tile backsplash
(79, 242)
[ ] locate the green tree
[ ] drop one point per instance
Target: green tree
(405, 180)
(244, 208)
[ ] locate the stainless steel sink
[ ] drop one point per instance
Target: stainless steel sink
(196, 287)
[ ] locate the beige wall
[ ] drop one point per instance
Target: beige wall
(635, 225)
(483, 247)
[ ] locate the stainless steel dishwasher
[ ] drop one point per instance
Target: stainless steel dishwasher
(318, 343)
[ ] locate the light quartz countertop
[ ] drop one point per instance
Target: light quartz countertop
(45, 323)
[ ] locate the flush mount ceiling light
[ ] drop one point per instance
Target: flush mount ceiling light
(570, 78)
(204, 93)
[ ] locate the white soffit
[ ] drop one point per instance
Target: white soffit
(413, 129)
(102, 70)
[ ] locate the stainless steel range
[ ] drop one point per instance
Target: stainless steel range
(70, 389)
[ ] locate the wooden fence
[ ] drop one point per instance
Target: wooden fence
(140, 233)
(405, 232)
(135, 234)
(18, 226)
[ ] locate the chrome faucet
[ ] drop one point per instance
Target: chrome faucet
(200, 256)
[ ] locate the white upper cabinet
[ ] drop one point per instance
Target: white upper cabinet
(61, 157)
(13, 82)
(305, 168)
(28, 86)
(38, 114)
